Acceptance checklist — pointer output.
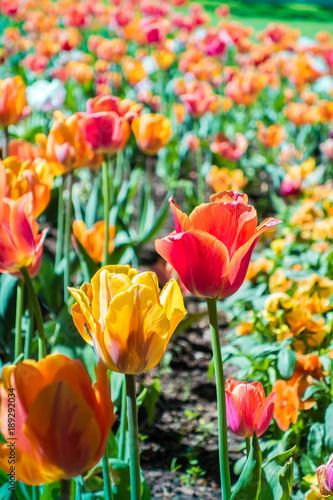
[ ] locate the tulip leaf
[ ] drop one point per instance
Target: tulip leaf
(120, 472)
(52, 490)
(249, 483)
(92, 204)
(286, 361)
(277, 477)
(315, 443)
(329, 428)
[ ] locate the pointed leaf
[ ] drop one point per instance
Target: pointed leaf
(249, 483)
(277, 477)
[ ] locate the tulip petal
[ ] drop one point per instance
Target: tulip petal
(69, 443)
(264, 414)
(199, 258)
(148, 279)
(235, 414)
(240, 261)
(172, 300)
(231, 223)
(82, 314)
(182, 221)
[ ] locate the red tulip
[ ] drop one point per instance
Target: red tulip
(211, 249)
(248, 410)
(105, 132)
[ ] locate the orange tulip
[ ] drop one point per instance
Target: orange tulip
(20, 243)
(111, 50)
(66, 145)
(22, 178)
(286, 404)
(92, 239)
(211, 249)
(152, 132)
(123, 315)
(271, 137)
(24, 150)
(62, 422)
(222, 179)
(12, 100)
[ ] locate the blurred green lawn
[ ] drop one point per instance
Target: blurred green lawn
(308, 18)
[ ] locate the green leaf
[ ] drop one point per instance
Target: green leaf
(92, 204)
(286, 363)
(329, 428)
(277, 477)
(315, 443)
(52, 490)
(120, 472)
(249, 483)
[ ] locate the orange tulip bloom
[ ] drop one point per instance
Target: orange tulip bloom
(22, 178)
(66, 145)
(123, 315)
(111, 50)
(222, 179)
(12, 100)
(152, 132)
(286, 404)
(20, 243)
(92, 239)
(248, 410)
(211, 249)
(271, 137)
(24, 150)
(62, 421)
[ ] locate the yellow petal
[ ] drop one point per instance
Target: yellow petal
(172, 300)
(148, 279)
(82, 314)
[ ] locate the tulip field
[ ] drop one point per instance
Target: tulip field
(166, 250)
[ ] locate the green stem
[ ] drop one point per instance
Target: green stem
(18, 318)
(106, 199)
(119, 169)
(133, 438)
(60, 222)
(147, 189)
(248, 445)
(5, 147)
(37, 312)
(199, 161)
(35, 493)
(106, 476)
(29, 333)
(122, 427)
(65, 489)
(221, 405)
(68, 230)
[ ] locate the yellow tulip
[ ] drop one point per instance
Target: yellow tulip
(152, 132)
(123, 315)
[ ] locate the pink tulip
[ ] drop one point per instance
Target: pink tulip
(248, 410)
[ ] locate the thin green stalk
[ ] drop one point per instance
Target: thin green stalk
(133, 438)
(248, 446)
(65, 489)
(147, 190)
(119, 169)
(5, 147)
(37, 312)
(35, 493)
(221, 406)
(68, 230)
(29, 332)
(106, 477)
(122, 427)
(18, 318)
(199, 161)
(106, 200)
(60, 223)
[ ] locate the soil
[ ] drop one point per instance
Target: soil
(185, 423)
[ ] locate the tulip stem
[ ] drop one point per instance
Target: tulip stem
(106, 476)
(65, 489)
(37, 312)
(6, 143)
(199, 160)
(248, 446)
(35, 493)
(18, 318)
(60, 223)
(68, 230)
(122, 427)
(29, 333)
(106, 199)
(133, 438)
(221, 405)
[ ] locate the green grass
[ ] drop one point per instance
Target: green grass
(308, 18)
